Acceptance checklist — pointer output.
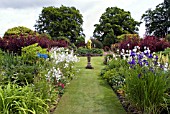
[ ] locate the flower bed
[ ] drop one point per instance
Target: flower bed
(141, 80)
(34, 81)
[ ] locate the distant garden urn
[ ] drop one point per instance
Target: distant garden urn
(89, 55)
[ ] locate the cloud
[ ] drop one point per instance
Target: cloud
(18, 17)
(23, 4)
(25, 12)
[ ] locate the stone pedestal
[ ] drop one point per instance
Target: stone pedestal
(88, 62)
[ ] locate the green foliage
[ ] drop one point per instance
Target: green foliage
(62, 38)
(29, 53)
(157, 20)
(168, 37)
(14, 69)
(115, 73)
(42, 35)
(20, 30)
(115, 78)
(146, 89)
(93, 51)
(20, 69)
(97, 44)
(115, 21)
(107, 58)
(108, 41)
(21, 100)
(166, 51)
(82, 51)
(62, 21)
(126, 36)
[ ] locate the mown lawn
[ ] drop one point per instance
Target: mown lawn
(88, 93)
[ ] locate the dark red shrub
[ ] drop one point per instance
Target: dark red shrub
(15, 44)
(81, 44)
(154, 44)
(129, 43)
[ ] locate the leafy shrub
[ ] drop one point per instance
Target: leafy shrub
(29, 53)
(96, 51)
(97, 44)
(107, 58)
(93, 51)
(115, 72)
(17, 31)
(82, 51)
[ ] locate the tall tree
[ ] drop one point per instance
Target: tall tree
(115, 21)
(62, 21)
(157, 21)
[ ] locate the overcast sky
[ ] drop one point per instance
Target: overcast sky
(25, 12)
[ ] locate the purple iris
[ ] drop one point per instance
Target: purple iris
(151, 69)
(150, 56)
(132, 62)
(156, 57)
(146, 52)
(155, 63)
(161, 66)
(144, 61)
(140, 56)
(140, 63)
(139, 75)
(132, 54)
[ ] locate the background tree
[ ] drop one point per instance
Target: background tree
(115, 21)
(157, 21)
(62, 21)
(97, 44)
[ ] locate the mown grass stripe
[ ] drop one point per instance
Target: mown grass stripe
(88, 93)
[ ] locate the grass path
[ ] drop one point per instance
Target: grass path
(88, 93)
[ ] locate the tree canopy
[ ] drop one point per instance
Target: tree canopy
(115, 21)
(157, 21)
(62, 21)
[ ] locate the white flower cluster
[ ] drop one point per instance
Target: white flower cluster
(54, 73)
(63, 56)
(60, 55)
